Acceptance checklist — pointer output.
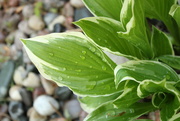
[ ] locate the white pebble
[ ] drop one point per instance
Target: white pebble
(46, 105)
(32, 80)
(14, 93)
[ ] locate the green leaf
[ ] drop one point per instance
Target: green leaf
(175, 12)
(129, 96)
(133, 20)
(175, 117)
(102, 8)
(159, 9)
(103, 32)
(161, 44)
(142, 70)
(91, 103)
(173, 61)
(71, 60)
(166, 97)
(107, 112)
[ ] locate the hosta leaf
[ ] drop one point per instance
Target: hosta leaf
(105, 8)
(175, 12)
(107, 112)
(175, 117)
(159, 9)
(70, 59)
(129, 96)
(133, 20)
(161, 44)
(103, 31)
(91, 103)
(142, 70)
(173, 61)
(166, 97)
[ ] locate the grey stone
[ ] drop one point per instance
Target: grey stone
(6, 74)
(18, 36)
(49, 17)
(73, 109)
(15, 109)
(77, 3)
(24, 27)
(81, 13)
(28, 11)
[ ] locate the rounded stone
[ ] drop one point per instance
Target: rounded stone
(28, 11)
(46, 105)
(32, 80)
(14, 93)
(36, 23)
(77, 3)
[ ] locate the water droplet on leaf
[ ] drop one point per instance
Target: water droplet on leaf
(51, 54)
(91, 85)
(84, 52)
(131, 110)
(82, 57)
(110, 113)
(104, 68)
(60, 78)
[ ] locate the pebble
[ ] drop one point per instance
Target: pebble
(18, 36)
(6, 74)
(60, 19)
(117, 59)
(59, 28)
(26, 97)
(24, 27)
(38, 91)
(26, 58)
(63, 93)
(81, 13)
(13, 3)
(12, 21)
(19, 75)
(49, 17)
(28, 11)
(15, 109)
(5, 119)
(49, 86)
(14, 93)
(59, 119)
(72, 108)
(10, 38)
(35, 116)
(48, 4)
(2, 37)
(32, 80)
(3, 108)
(36, 23)
(14, 53)
(77, 3)
(45, 105)
(68, 10)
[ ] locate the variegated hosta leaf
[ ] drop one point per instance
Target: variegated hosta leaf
(171, 60)
(89, 104)
(108, 112)
(166, 97)
(159, 9)
(161, 44)
(142, 70)
(70, 59)
(133, 20)
(103, 32)
(105, 8)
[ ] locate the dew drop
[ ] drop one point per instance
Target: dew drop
(60, 78)
(90, 66)
(63, 69)
(97, 77)
(92, 49)
(103, 68)
(84, 52)
(131, 110)
(99, 39)
(91, 85)
(51, 54)
(98, 54)
(82, 57)
(78, 70)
